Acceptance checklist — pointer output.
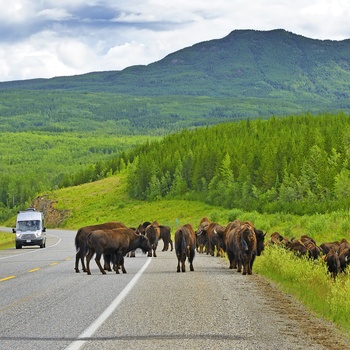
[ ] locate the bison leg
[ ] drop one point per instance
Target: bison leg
(171, 244)
(80, 256)
(88, 258)
(107, 262)
(190, 259)
(154, 249)
(98, 262)
(119, 263)
(178, 264)
(230, 256)
(183, 266)
(77, 257)
(166, 245)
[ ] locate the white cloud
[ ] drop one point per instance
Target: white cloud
(50, 38)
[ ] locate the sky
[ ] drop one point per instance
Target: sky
(48, 38)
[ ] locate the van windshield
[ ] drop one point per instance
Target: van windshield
(29, 225)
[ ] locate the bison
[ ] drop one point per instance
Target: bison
(165, 235)
(81, 240)
(152, 232)
(215, 235)
(228, 239)
(344, 254)
(201, 234)
(117, 243)
(185, 246)
(243, 242)
(326, 247)
(298, 248)
(332, 261)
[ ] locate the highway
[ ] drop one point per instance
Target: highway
(45, 304)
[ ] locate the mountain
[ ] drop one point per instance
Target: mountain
(248, 73)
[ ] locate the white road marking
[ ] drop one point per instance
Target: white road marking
(76, 345)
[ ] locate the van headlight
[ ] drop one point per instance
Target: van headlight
(38, 233)
(18, 235)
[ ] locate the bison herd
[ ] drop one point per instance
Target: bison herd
(335, 254)
(239, 240)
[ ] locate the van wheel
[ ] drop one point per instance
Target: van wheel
(18, 246)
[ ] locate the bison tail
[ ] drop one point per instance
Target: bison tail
(76, 241)
(244, 245)
(183, 245)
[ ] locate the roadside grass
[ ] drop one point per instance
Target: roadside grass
(7, 240)
(307, 281)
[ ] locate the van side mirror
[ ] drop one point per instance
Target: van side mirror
(13, 230)
(44, 229)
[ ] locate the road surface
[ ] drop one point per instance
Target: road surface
(45, 304)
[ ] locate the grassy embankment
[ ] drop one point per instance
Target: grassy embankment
(308, 281)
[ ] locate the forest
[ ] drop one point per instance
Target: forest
(32, 162)
(295, 164)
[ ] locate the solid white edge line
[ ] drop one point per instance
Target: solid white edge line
(77, 344)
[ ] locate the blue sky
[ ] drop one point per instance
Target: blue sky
(47, 38)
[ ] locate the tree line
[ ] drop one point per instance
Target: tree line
(34, 162)
(296, 164)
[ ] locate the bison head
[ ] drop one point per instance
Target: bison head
(260, 237)
(144, 244)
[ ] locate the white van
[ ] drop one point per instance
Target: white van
(30, 229)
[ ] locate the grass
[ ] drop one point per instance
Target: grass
(309, 282)
(7, 240)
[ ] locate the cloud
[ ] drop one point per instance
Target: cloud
(50, 38)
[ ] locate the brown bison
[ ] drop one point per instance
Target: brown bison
(81, 240)
(185, 246)
(298, 248)
(344, 254)
(326, 247)
(245, 242)
(165, 235)
(152, 232)
(201, 235)
(332, 261)
(117, 243)
(314, 251)
(142, 227)
(228, 239)
(215, 234)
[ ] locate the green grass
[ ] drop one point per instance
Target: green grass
(309, 282)
(7, 240)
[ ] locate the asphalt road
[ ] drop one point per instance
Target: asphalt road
(45, 304)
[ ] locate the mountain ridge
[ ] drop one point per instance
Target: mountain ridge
(247, 73)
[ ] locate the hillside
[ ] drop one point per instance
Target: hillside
(245, 74)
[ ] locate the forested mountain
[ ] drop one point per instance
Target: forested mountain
(73, 128)
(245, 74)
